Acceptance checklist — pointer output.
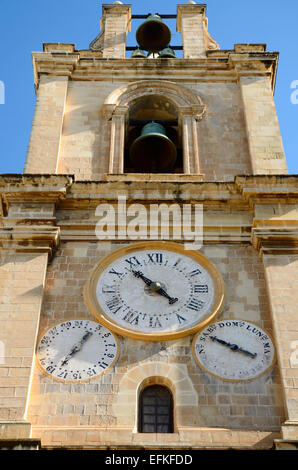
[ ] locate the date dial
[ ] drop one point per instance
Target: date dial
(77, 350)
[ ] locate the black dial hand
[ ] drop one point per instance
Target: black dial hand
(76, 347)
(161, 291)
(155, 286)
(233, 347)
(221, 341)
(247, 352)
(144, 278)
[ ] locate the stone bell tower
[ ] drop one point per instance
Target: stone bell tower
(213, 141)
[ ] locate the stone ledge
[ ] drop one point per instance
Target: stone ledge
(20, 444)
(30, 239)
(280, 444)
(186, 438)
(162, 178)
(58, 47)
(250, 47)
(15, 430)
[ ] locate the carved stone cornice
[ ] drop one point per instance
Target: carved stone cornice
(197, 111)
(58, 63)
(116, 9)
(268, 188)
(275, 238)
(189, 9)
(219, 65)
(31, 239)
(111, 110)
(258, 210)
(271, 231)
(253, 63)
(18, 188)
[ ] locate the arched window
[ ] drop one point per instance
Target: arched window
(156, 410)
(179, 107)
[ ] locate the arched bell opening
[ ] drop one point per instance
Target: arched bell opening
(153, 141)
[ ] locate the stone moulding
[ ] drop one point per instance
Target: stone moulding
(218, 65)
(30, 239)
(33, 209)
(31, 230)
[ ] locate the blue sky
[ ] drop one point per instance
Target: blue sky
(25, 25)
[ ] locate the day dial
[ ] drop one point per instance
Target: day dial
(234, 350)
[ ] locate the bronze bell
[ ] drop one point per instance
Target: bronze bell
(138, 54)
(167, 53)
(153, 151)
(153, 33)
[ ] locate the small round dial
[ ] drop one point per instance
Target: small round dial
(77, 350)
(154, 290)
(234, 350)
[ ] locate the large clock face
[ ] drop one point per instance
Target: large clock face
(234, 350)
(77, 350)
(154, 291)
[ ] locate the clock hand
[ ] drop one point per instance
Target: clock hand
(69, 356)
(155, 286)
(161, 291)
(144, 278)
(221, 341)
(253, 355)
(85, 337)
(76, 347)
(233, 347)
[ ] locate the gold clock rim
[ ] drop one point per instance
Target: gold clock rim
(96, 310)
(40, 336)
(235, 380)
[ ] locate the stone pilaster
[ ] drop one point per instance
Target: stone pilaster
(191, 24)
(22, 283)
(116, 162)
(281, 276)
(28, 236)
(189, 118)
(115, 24)
(256, 70)
(275, 235)
(263, 132)
(45, 138)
